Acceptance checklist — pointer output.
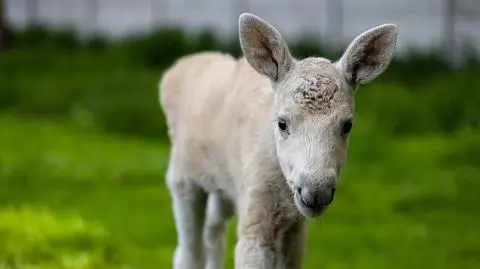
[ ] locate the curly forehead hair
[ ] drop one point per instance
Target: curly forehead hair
(316, 90)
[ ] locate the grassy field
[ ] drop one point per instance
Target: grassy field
(73, 198)
(83, 153)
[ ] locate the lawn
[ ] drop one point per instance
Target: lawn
(80, 198)
(83, 155)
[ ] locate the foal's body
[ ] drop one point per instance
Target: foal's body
(263, 137)
(214, 155)
(216, 120)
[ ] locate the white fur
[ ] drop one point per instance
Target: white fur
(229, 156)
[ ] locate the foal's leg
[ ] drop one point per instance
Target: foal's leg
(259, 241)
(294, 245)
(219, 212)
(189, 202)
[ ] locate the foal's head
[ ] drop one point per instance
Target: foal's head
(314, 103)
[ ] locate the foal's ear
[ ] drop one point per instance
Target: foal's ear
(263, 47)
(369, 54)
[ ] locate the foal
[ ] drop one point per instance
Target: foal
(264, 137)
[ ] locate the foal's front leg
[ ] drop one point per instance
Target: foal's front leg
(267, 250)
(259, 237)
(255, 252)
(189, 202)
(294, 245)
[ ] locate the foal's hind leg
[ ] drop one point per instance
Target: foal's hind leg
(189, 202)
(219, 211)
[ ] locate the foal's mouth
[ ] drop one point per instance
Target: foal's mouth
(305, 210)
(308, 211)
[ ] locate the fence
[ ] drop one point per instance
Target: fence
(426, 23)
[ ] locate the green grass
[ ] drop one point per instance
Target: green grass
(74, 198)
(83, 153)
(114, 183)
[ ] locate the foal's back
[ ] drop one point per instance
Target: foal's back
(216, 106)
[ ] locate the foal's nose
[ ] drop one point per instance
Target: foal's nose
(315, 198)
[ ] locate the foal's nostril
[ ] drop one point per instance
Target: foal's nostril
(307, 197)
(315, 198)
(332, 195)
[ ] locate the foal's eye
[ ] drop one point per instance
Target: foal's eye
(347, 127)
(282, 125)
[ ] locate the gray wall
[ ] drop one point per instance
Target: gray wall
(421, 22)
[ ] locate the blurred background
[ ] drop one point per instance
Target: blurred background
(83, 144)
